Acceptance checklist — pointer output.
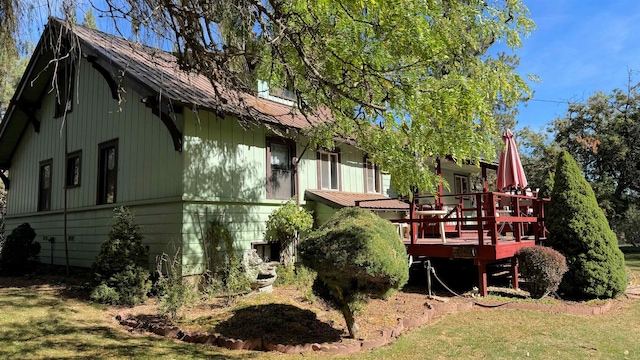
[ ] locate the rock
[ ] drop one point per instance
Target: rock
(260, 274)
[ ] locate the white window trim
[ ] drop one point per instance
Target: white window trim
(331, 155)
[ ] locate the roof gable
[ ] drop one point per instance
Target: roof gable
(151, 72)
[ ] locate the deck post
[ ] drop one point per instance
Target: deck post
(482, 278)
(412, 215)
(439, 173)
(514, 273)
(493, 226)
(480, 215)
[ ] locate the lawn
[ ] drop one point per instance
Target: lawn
(46, 321)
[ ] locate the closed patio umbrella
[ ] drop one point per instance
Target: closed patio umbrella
(510, 171)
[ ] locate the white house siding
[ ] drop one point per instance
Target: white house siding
(149, 170)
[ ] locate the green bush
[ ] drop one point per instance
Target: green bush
(173, 291)
(357, 255)
(543, 268)
(286, 223)
(121, 273)
(19, 253)
(297, 275)
(225, 272)
(579, 230)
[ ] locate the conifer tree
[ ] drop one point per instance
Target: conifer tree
(121, 270)
(579, 230)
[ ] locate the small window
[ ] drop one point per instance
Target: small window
(280, 171)
(107, 172)
(461, 184)
(372, 178)
(268, 251)
(74, 163)
(44, 185)
(328, 170)
(65, 77)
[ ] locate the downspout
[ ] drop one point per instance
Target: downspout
(66, 165)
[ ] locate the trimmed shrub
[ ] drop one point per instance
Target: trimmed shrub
(579, 230)
(543, 268)
(121, 270)
(356, 255)
(287, 222)
(19, 252)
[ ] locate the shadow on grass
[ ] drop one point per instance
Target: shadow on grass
(279, 324)
(35, 323)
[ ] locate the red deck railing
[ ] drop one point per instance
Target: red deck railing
(489, 215)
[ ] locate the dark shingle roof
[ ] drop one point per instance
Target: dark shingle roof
(158, 70)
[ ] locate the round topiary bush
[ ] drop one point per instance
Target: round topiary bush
(121, 270)
(357, 255)
(579, 230)
(543, 269)
(20, 251)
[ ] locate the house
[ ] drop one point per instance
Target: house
(132, 129)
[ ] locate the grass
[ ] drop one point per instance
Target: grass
(40, 321)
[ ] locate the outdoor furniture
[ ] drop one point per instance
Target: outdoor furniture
(402, 229)
(439, 214)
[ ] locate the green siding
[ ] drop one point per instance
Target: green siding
(161, 224)
(149, 172)
(148, 166)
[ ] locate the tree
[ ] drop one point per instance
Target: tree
(121, 269)
(356, 254)
(12, 66)
(421, 73)
(603, 135)
(579, 230)
(89, 20)
(538, 154)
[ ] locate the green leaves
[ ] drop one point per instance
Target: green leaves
(405, 82)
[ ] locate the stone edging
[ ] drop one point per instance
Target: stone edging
(387, 335)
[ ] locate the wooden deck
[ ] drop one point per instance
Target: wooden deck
(494, 229)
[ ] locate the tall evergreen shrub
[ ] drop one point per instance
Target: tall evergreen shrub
(579, 230)
(121, 270)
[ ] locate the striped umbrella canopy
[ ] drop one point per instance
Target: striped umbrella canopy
(510, 171)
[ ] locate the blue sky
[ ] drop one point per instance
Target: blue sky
(578, 48)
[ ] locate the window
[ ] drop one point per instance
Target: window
(74, 161)
(280, 171)
(44, 185)
(268, 251)
(372, 178)
(328, 170)
(64, 91)
(107, 172)
(461, 184)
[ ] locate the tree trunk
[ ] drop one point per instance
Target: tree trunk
(354, 329)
